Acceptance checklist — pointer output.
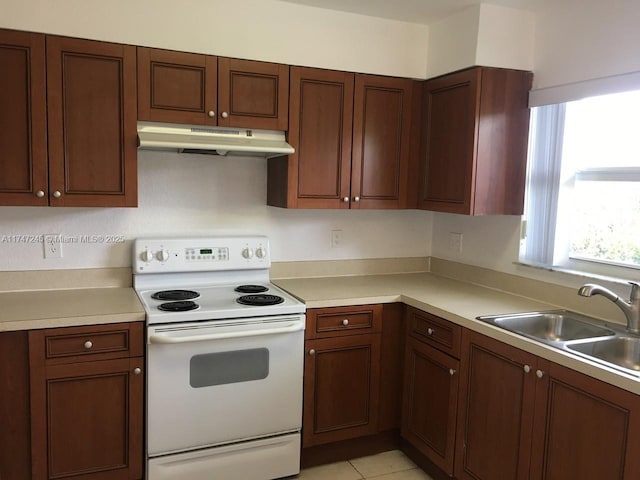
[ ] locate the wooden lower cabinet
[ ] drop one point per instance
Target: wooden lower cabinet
(521, 417)
(430, 401)
(584, 428)
(341, 382)
(495, 415)
(87, 407)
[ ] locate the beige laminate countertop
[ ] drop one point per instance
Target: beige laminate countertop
(456, 301)
(65, 308)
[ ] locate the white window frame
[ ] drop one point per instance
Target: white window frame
(550, 183)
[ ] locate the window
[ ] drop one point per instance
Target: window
(582, 209)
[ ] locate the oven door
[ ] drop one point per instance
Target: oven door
(217, 382)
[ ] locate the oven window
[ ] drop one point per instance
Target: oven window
(228, 367)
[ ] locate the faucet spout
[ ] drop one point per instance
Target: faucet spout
(631, 309)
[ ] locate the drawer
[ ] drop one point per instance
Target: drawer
(435, 331)
(337, 321)
(96, 342)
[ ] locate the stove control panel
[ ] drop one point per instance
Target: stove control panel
(158, 255)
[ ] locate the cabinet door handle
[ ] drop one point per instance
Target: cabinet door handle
(356, 199)
(40, 193)
(57, 194)
(539, 373)
(345, 322)
(137, 371)
(452, 372)
(225, 115)
(430, 331)
(212, 113)
(345, 199)
(88, 344)
(312, 352)
(526, 369)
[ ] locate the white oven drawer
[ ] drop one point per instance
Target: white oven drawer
(212, 388)
(256, 460)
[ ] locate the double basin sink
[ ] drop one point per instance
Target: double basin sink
(610, 345)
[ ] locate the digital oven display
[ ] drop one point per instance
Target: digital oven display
(206, 251)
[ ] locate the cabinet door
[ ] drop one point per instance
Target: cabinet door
(381, 142)
(495, 412)
(87, 420)
(177, 87)
(318, 173)
(341, 382)
(23, 119)
(584, 428)
(430, 402)
(451, 104)
(91, 91)
(253, 94)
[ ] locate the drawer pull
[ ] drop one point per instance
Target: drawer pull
(345, 322)
(137, 371)
(88, 344)
(430, 331)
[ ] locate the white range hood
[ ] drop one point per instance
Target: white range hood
(212, 140)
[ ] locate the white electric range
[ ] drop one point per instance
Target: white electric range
(225, 360)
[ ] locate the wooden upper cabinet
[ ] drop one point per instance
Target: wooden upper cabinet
(381, 142)
(23, 119)
(178, 87)
(253, 94)
(329, 112)
(475, 135)
(318, 173)
(91, 95)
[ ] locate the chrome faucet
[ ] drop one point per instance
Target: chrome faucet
(631, 309)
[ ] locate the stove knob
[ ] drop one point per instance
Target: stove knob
(147, 256)
(162, 255)
(261, 252)
(247, 253)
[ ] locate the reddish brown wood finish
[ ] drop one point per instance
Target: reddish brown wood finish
(15, 416)
(91, 98)
(435, 331)
(475, 142)
(317, 175)
(496, 410)
(87, 416)
(23, 117)
(330, 322)
(391, 366)
(253, 94)
(381, 142)
(430, 402)
(66, 345)
(341, 387)
(584, 428)
(177, 87)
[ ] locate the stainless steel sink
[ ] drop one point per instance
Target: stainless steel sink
(622, 351)
(554, 326)
(609, 344)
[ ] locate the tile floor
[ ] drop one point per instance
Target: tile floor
(393, 465)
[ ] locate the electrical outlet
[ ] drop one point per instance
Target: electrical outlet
(455, 242)
(336, 238)
(52, 245)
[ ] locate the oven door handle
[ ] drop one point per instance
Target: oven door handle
(164, 339)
